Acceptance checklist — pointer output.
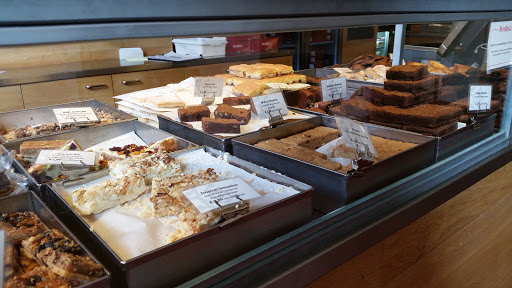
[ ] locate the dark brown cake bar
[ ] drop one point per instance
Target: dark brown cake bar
(435, 131)
(387, 114)
(323, 105)
(193, 113)
(224, 111)
(430, 115)
(454, 79)
(447, 94)
(358, 107)
(212, 126)
(317, 110)
(380, 96)
(464, 104)
(426, 95)
(306, 98)
(318, 93)
(387, 124)
(238, 100)
(407, 72)
(425, 84)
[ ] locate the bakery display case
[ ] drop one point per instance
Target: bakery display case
(420, 97)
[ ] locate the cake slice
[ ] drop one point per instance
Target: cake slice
(193, 113)
(224, 111)
(357, 107)
(249, 88)
(306, 98)
(407, 72)
(146, 165)
(108, 193)
(425, 84)
(61, 255)
(21, 225)
(342, 151)
(237, 100)
(212, 126)
(313, 138)
(32, 148)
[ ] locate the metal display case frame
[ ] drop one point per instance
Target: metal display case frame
(306, 253)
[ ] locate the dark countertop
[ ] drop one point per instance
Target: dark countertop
(34, 74)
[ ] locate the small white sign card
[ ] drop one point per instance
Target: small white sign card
(355, 134)
(271, 105)
(66, 157)
(334, 89)
(224, 192)
(75, 115)
(479, 97)
(208, 88)
(499, 45)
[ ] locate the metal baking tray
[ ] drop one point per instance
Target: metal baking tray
(465, 137)
(22, 118)
(29, 202)
(335, 189)
(95, 135)
(197, 136)
(180, 261)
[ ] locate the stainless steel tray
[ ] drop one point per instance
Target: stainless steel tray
(29, 202)
(95, 135)
(464, 137)
(178, 262)
(197, 136)
(22, 118)
(334, 189)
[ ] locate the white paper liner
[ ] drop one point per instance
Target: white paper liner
(328, 148)
(130, 230)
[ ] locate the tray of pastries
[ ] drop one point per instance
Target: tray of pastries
(35, 122)
(311, 151)
(42, 252)
(142, 218)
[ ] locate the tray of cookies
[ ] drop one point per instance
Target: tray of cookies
(109, 142)
(35, 122)
(309, 151)
(43, 252)
(161, 237)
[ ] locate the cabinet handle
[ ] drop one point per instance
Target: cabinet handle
(131, 82)
(97, 86)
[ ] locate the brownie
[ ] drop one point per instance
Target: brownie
(318, 93)
(387, 114)
(306, 98)
(435, 131)
(372, 94)
(225, 111)
(212, 126)
(323, 105)
(358, 107)
(454, 79)
(464, 104)
(380, 96)
(447, 94)
(421, 97)
(425, 84)
(430, 115)
(317, 110)
(499, 87)
(238, 100)
(407, 72)
(193, 113)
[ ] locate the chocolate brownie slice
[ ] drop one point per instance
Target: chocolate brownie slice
(306, 98)
(318, 92)
(387, 114)
(224, 111)
(454, 79)
(193, 113)
(237, 100)
(464, 104)
(358, 107)
(435, 131)
(430, 115)
(387, 124)
(407, 72)
(212, 126)
(425, 84)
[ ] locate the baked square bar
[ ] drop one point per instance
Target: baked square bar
(41, 276)
(425, 84)
(61, 255)
(109, 193)
(224, 111)
(212, 126)
(407, 72)
(21, 225)
(193, 113)
(313, 138)
(237, 100)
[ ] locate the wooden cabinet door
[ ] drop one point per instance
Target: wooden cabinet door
(71, 90)
(11, 98)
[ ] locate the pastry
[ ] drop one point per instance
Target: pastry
(193, 113)
(32, 148)
(21, 225)
(212, 126)
(147, 165)
(306, 98)
(249, 88)
(224, 111)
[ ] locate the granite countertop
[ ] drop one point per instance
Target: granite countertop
(34, 74)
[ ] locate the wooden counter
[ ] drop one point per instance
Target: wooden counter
(465, 242)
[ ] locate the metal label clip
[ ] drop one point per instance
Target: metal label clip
(233, 210)
(275, 120)
(364, 158)
(207, 100)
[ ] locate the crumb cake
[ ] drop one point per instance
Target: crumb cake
(224, 111)
(212, 126)
(193, 113)
(313, 138)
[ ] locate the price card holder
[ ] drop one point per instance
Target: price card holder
(80, 116)
(355, 134)
(479, 98)
(272, 107)
(231, 196)
(334, 89)
(208, 88)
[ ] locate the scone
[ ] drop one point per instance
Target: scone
(108, 193)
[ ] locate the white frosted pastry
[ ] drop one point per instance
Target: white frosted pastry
(147, 165)
(108, 193)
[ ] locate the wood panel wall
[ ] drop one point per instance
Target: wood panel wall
(45, 54)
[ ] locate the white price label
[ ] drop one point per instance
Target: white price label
(66, 157)
(270, 105)
(355, 134)
(479, 97)
(499, 45)
(75, 115)
(334, 89)
(208, 87)
(224, 192)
